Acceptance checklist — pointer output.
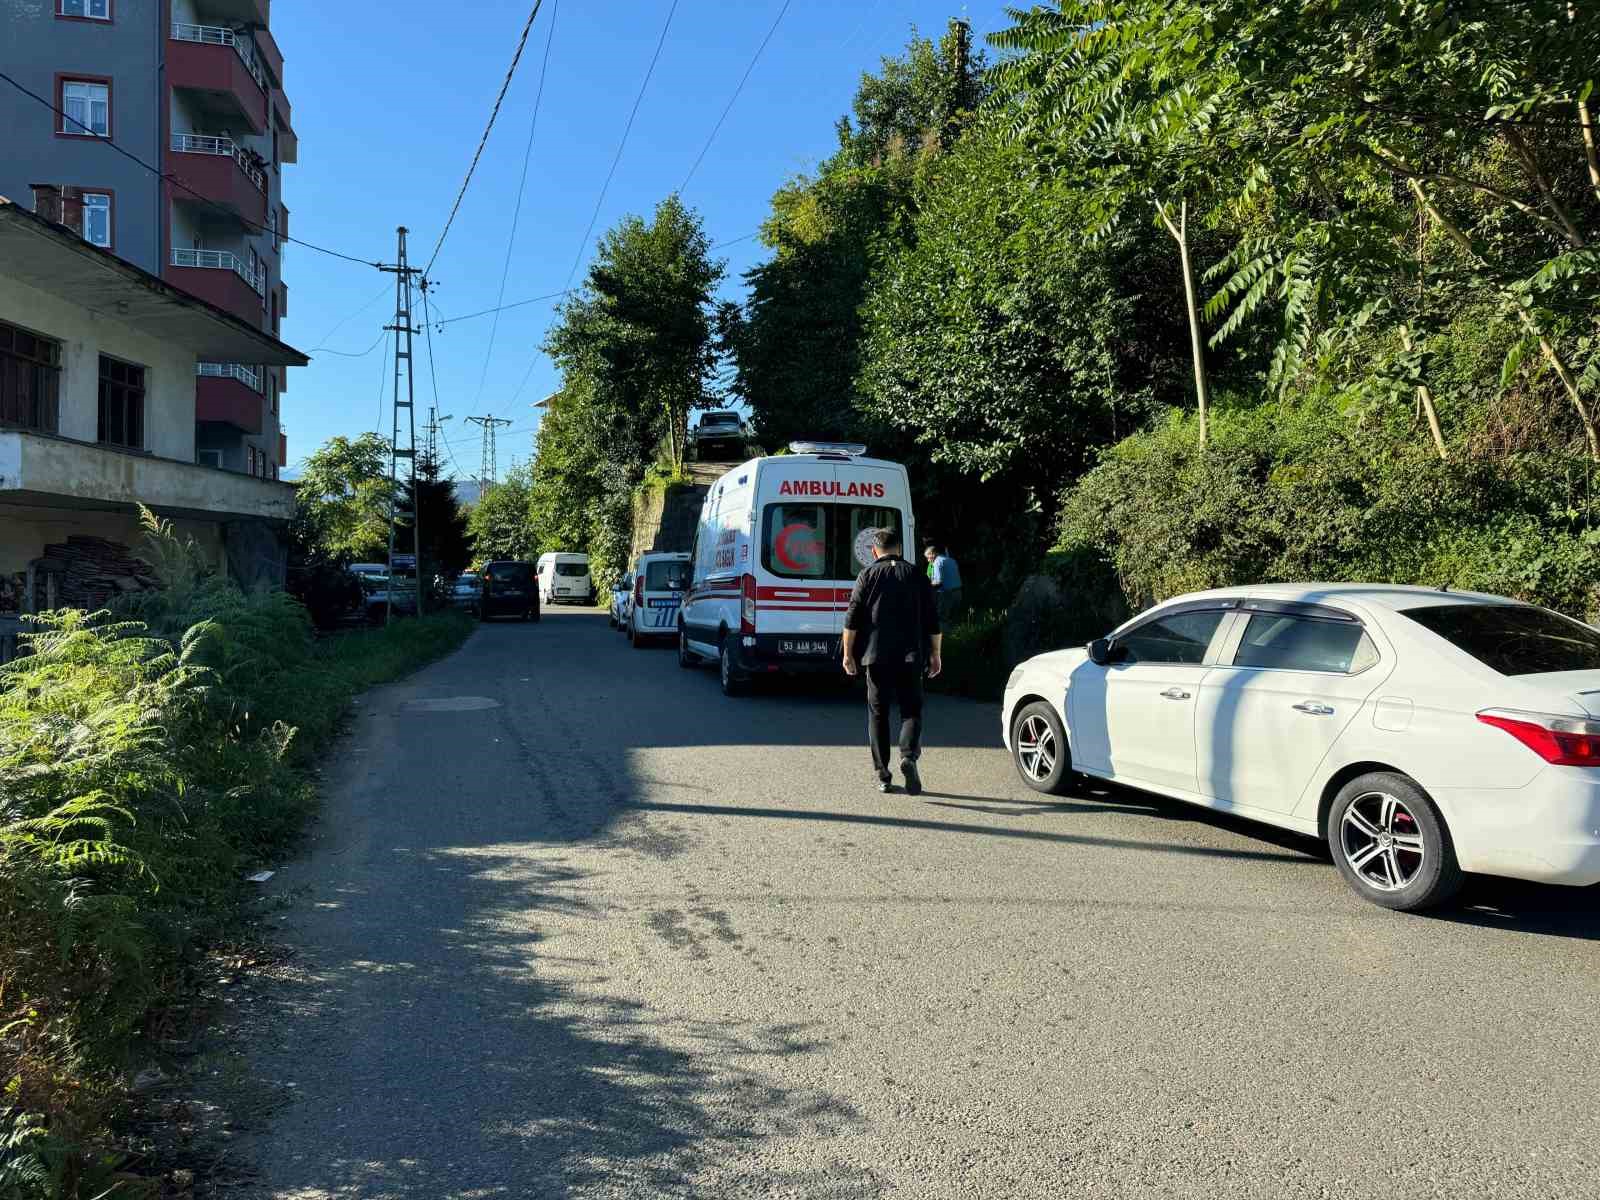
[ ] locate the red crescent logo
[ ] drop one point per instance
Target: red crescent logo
(804, 554)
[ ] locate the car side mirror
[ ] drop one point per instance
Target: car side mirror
(1100, 652)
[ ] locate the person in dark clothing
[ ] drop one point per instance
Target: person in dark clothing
(891, 631)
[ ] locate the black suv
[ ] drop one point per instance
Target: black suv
(509, 589)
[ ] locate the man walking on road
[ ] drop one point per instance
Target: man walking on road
(892, 630)
(945, 576)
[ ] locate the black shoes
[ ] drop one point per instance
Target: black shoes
(913, 780)
(886, 785)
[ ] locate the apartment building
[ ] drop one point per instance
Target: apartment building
(194, 87)
(97, 377)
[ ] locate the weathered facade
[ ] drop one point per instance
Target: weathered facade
(98, 361)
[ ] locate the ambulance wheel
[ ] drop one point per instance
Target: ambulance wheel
(733, 683)
(635, 639)
(687, 658)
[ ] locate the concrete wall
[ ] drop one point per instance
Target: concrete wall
(36, 46)
(169, 370)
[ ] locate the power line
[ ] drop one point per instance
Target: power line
(626, 129)
(516, 212)
(343, 321)
(383, 374)
(433, 375)
(160, 174)
(743, 79)
(583, 242)
(484, 140)
(483, 312)
(564, 292)
(346, 353)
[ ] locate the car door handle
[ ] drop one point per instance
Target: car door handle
(1315, 708)
(1175, 693)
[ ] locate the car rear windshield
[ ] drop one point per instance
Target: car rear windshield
(572, 569)
(806, 540)
(1514, 639)
(719, 419)
(666, 576)
(512, 572)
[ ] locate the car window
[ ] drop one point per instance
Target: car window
(1290, 643)
(1179, 638)
(821, 541)
(666, 576)
(1513, 639)
(572, 569)
(509, 572)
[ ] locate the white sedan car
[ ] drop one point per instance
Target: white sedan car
(1420, 733)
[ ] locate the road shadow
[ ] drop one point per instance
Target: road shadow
(1519, 907)
(440, 1048)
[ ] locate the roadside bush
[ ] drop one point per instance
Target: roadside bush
(145, 766)
(1313, 492)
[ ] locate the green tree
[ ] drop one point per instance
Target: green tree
(498, 523)
(344, 497)
(796, 342)
(641, 328)
(446, 545)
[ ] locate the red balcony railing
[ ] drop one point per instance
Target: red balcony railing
(220, 65)
(224, 394)
(220, 171)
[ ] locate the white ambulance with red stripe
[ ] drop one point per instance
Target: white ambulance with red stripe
(780, 542)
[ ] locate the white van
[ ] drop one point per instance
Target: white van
(779, 545)
(660, 579)
(564, 577)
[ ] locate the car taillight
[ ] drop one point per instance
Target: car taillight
(638, 590)
(1563, 741)
(747, 605)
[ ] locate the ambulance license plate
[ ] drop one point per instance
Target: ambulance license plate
(817, 646)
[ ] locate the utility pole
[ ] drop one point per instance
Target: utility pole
(433, 429)
(406, 450)
(961, 98)
(487, 477)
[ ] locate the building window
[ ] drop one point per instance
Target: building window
(121, 403)
(85, 10)
(250, 460)
(272, 392)
(209, 458)
(85, 107)
(96, 225)
(30, 379)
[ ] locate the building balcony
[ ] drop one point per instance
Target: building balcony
(219, 69)
(268, 54)
(236, 12)
(228, 394)
(288, 140)
(220, 171)
(57, 472)
(283, 448)
(221, 277)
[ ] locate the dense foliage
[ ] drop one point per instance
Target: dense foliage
(145, 765)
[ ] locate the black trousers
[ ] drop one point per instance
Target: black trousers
(899, 684)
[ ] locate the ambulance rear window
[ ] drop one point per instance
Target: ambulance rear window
(806, 540)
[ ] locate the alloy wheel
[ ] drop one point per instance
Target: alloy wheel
(1036, 748)
(1382, 841)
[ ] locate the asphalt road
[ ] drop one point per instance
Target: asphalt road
(575, 925)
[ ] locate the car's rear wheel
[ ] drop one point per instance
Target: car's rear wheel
(733, 682)
(1390, 843)
(1039, 749)
(687, 658)
(635, 638)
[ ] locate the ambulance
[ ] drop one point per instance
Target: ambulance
(780, 542)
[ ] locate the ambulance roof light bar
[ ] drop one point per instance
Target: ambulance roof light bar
(848, 449)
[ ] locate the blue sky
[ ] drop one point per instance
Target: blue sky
(390, 100)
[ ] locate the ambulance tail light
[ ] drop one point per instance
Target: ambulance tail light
(747, 605)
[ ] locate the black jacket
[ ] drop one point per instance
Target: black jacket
(892, 612)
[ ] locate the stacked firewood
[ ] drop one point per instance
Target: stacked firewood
(88, 572)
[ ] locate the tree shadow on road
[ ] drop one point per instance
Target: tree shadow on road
(443, 1051)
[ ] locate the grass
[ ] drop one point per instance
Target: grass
(146, 766)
